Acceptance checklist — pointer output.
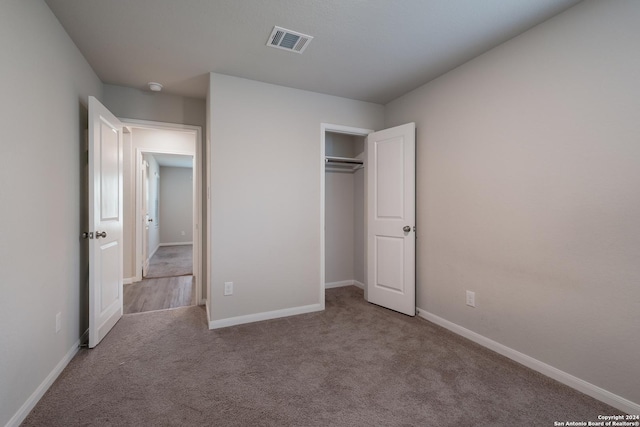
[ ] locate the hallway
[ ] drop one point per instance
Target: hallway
(169, 282)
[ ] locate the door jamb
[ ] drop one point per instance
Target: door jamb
(136, 158)
(324, 128)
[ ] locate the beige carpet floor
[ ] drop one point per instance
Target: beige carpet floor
(355, 364)
(171, 261)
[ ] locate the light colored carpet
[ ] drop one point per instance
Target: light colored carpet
(355, 364)
(170, 261)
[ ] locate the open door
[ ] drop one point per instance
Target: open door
(146, 218)
(105, 221)
(391, 206)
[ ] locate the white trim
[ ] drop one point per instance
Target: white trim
(176, 244)
(324, 128)
(128, 280)
(340, 284)
(35, 397)
(359, 284)
(343, 283)
(150, 124)
(267, 315)
(576, 383)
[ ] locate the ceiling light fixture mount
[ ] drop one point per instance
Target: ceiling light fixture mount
(155, 87)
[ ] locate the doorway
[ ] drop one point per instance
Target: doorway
(342, 216)
(163, 234)
(383, 211)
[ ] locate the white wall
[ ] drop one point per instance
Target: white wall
(44, 82)
(265, 191)
(359, 236)
(339, 234)
(528, 193)
(176, 205)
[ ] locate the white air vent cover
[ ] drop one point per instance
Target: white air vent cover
(292, 41)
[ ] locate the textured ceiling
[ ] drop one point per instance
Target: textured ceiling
(370, 50)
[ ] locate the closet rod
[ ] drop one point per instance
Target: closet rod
(331, 159)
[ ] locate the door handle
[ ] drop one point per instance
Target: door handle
(99, 235)
(406, 229)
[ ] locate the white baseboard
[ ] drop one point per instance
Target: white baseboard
(344, 283)
(128, 280)
(176, 244)
(268, 315)
(574, 382)
(35, 397)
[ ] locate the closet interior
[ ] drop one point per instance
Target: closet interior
(344, 210)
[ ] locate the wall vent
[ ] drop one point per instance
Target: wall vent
(292, 41)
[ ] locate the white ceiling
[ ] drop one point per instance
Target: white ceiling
(173, 160)
(370, 50)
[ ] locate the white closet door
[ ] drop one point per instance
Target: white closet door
(391, 238)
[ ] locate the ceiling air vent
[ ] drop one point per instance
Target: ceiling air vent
(292, 41)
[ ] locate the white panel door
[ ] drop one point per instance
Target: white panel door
(145, 217)
(105, 221)
(391, 206)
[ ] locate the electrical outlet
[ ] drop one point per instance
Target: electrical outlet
(471, 299)
(228, 288)
(58, 322)
(182, 233)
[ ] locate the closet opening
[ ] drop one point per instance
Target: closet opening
(343, 214)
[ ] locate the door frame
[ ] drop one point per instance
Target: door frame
(136, 158)
(347, 130)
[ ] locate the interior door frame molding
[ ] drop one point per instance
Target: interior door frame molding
(348, 130)
(136, 158)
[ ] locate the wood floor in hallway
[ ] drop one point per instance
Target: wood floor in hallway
(159, 294)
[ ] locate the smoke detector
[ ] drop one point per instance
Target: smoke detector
(155, 87)
(293, 41)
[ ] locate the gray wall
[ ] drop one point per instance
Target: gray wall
(528, 193)
(339, 234)
(265, 191)
(359, 236)
(44, 82)
(130, 103)
(176, 205)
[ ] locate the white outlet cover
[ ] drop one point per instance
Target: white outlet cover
(471, 299)
(228, 288)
